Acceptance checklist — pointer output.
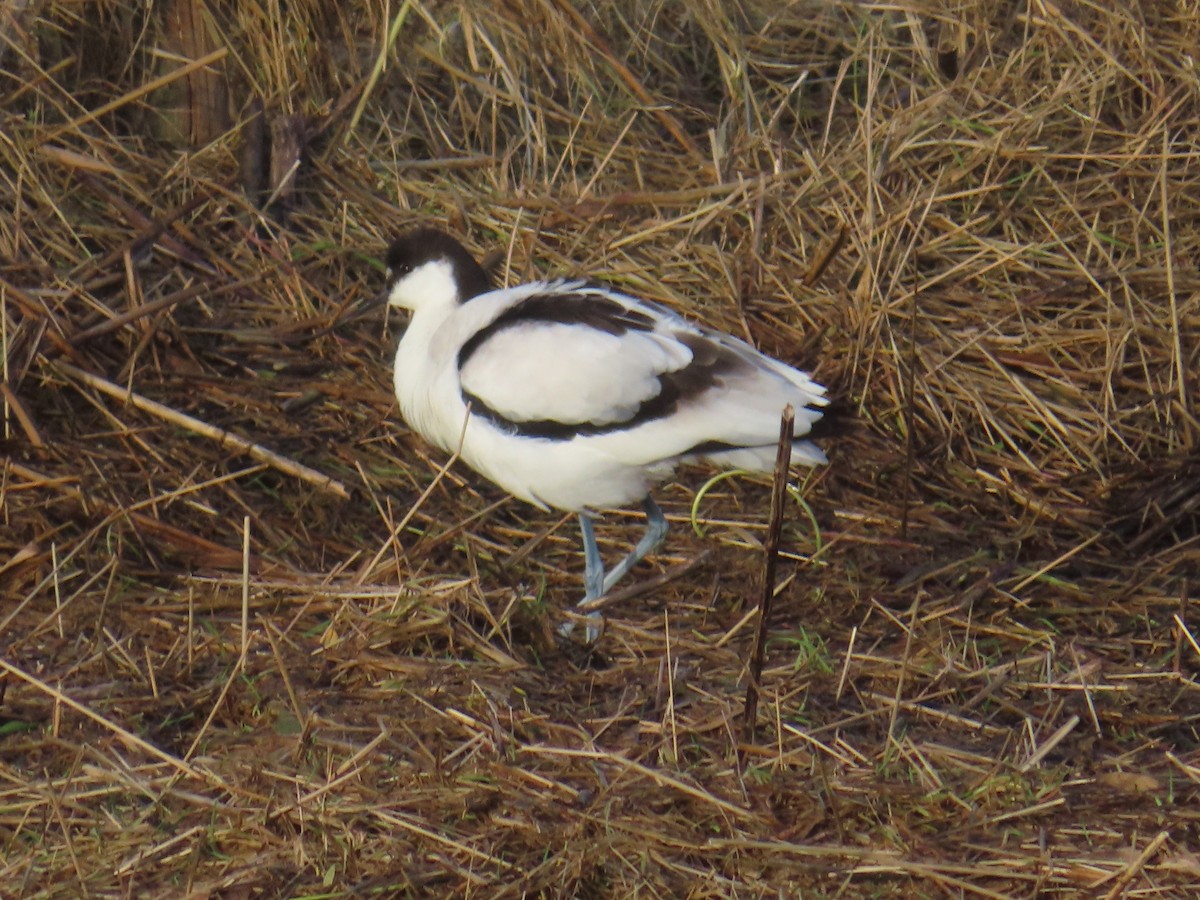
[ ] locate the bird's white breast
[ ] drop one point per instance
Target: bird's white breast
(426, 379)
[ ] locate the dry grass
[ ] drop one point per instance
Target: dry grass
(256, 642)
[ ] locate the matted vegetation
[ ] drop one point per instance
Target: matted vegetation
(259, 641)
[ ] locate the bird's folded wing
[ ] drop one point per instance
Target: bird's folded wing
(568, 360)
(563, 378)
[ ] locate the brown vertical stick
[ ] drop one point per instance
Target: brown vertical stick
(782, 460)
(909, 407)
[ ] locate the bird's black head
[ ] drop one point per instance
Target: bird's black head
(428, 266)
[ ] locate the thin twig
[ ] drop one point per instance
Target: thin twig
(236, 672)
(783, 459)
(207, 291)
(148, 88)
(910, 402)
(637, 589)
(377, 69)
(124, 734)
(221, 436)
(1130, 872)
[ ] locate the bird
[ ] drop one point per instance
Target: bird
(571, 395)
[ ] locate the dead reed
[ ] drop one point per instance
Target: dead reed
(257, 639)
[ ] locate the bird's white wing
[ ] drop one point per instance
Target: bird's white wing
(568, 360)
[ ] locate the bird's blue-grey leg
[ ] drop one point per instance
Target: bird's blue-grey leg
(595, 583)
(593, 579)
(656, 532)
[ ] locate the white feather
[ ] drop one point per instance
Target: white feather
(570, 373)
